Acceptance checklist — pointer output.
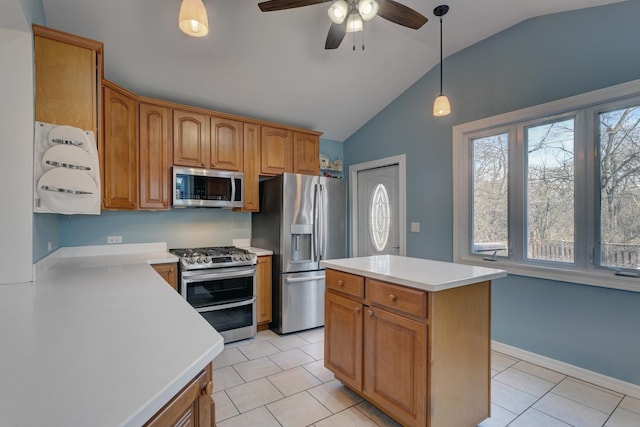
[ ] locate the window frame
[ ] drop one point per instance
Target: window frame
(585, 109)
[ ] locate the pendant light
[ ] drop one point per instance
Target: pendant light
(193, 19)
(441, 106)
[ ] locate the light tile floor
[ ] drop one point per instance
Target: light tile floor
(280, 381)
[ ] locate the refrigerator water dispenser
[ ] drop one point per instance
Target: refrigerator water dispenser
(301, 243)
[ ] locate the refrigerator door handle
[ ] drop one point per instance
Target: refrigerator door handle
(304, 279)
(315, 243)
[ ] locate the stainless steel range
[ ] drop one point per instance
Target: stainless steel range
(220, 283)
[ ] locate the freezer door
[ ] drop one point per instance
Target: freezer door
(301, 301)
(299, 243)
(333, 232)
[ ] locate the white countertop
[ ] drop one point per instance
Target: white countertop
(97, 341)
(417, 273)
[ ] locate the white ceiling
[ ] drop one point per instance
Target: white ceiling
(273, 65)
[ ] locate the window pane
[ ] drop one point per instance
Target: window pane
(380, 217)
(490, 157)
(619, 150)
(550, 195)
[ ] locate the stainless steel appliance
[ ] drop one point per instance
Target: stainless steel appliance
(206, 188)
(302, 220)
(220, 283)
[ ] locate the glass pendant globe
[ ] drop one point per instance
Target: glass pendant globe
(338, 11)
(368, 9)
(441, 106)
(192, 19)
(354, 23)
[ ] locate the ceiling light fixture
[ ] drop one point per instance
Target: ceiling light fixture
(193, 19)
(354, 23)
(338, 11)
(441, 106)
(368, 9)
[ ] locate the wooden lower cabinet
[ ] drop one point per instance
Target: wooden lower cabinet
(264, 313)
(193, 406)
(421, 357)
(169, 273)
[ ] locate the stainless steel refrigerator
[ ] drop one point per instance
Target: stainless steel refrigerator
(302, 220)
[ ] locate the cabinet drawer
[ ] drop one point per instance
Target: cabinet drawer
(345, 282)
(410, 301)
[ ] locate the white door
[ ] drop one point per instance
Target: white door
(378, 213)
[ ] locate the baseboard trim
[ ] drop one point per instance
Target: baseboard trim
(592, 377)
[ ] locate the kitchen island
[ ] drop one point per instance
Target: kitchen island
(412, 336)
(101, 341)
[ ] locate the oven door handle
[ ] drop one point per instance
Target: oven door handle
(226, 306)
(188, 277)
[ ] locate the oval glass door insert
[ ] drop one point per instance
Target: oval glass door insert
(380, 217)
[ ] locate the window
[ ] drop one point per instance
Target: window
(380, 221)
(553, 191)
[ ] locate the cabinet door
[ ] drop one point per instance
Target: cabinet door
(306, 153)
(192, 406)
(226, 144)
(168, 271)
(190, 139)
(395, 368)
(276, 156)
(251, 136)
(264, 289)
(343, 339)
(68, 72)
(154, 133)
(120, 151)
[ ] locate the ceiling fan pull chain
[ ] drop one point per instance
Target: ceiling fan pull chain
(362, 37)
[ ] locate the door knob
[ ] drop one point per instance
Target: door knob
(370, 312)
(358, 310)
(392, 297)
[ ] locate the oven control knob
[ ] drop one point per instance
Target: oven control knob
(190, 260)
(207, 260)
(199, 260)
(247, 257)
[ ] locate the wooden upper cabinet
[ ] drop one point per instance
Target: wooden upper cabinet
(154, 130)
(120, 149)
(190, 139)
(68, 77)
(306, 153)
(251, 137)
(226, 144)
(276, 153)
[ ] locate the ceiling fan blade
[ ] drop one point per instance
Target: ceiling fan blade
(273, 5)
(400, 14)
(336, 35)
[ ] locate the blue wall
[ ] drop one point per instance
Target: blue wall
(539, 60)
(34, 11)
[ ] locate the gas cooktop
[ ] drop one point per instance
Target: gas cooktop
(213, 257)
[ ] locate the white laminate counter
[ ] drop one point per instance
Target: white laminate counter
(417, 273)
(97, 341)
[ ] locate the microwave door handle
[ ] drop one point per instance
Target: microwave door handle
(233, 190)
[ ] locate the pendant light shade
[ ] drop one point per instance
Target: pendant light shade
(354, 23)
(193, 19)
(441, 106)
(368, 9)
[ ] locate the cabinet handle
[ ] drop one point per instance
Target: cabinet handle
(392, 297)
(357, 310)
(207, 388)
(370, 313)
(341, 283)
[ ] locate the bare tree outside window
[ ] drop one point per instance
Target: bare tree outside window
(619, 163)
(490, 159)
(550, 191)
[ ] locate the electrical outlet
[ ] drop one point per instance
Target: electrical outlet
(415, 227)
(114, 239)
(49, 246)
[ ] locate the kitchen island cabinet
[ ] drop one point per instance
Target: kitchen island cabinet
(412, 336)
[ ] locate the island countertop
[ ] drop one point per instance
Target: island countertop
(424, 274)
(97, 341)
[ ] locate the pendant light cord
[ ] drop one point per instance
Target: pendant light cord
(441, 55)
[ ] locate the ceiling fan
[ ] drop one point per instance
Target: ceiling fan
(347, 16)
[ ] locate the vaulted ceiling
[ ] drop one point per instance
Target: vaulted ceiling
(273, 65)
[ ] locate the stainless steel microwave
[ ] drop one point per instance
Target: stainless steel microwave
(206, 188)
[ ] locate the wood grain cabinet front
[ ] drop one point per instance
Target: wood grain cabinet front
(251, 153)
(421, 357)
(169, 272)
(306, 153)
(226, 144)
(68, 79)
(276, 154)
(119, 149)
(154, 131)
(193, 406)
(264, 308)
(190, 139)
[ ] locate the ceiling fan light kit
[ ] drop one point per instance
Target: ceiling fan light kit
(347, 16)
(192, 19)
(338, 11)
(441, 106)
